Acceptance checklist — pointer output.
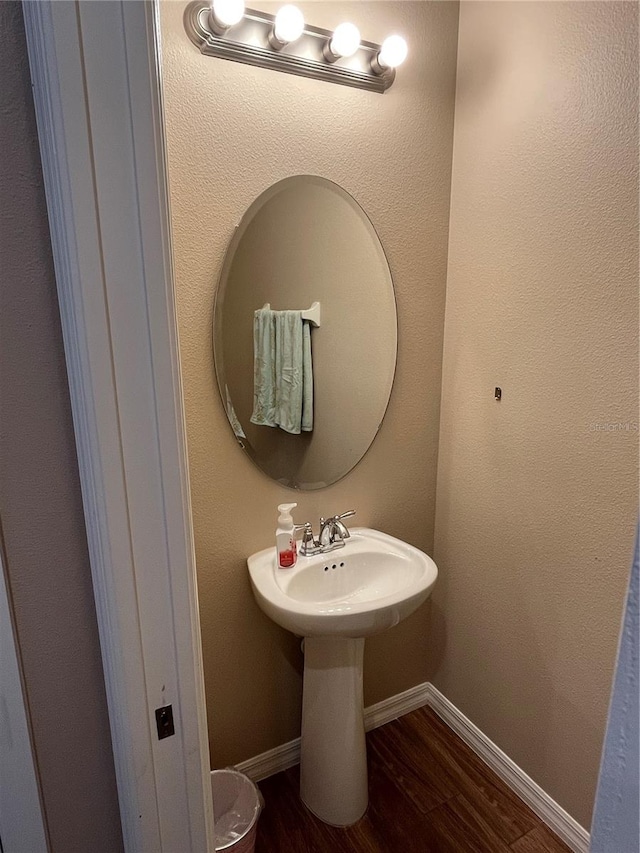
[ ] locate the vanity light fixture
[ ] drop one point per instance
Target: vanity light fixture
(284, 42)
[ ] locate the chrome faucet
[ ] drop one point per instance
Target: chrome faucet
(332, 535)
(333, 532)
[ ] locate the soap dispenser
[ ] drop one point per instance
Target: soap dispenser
(286, 549)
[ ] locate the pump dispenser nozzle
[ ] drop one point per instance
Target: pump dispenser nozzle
(285, 517)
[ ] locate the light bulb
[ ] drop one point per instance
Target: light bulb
(226, 13)
(393, 52)
(345, 40)
(289, 24)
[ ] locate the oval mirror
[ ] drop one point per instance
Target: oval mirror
(305, 386)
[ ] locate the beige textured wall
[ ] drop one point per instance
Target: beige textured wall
(41, 513)
(536, 507)
(233, 131)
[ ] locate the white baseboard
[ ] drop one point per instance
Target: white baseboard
(557, 819)
(272, 761)
(396, 706)
(288, 754)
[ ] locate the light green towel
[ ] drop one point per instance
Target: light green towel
(231, 414)
(282, 371)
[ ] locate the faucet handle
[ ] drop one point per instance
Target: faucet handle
(341, 531)
(309, 544)
(307, 527)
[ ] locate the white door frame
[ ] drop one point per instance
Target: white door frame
(95, 71)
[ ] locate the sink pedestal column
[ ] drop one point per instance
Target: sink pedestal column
(333, 756)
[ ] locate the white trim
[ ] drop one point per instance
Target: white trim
(94, 68)
(22, 825)
(272, 761)
(396, 706)
(556, 818)
(288, 754)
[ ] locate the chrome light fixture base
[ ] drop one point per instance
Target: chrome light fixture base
(250, 42)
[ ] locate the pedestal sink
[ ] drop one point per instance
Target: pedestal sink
(336, 600)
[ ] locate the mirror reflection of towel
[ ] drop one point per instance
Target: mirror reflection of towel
(231, 414)
(282, 371)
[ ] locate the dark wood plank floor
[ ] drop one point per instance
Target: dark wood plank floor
(428, 793)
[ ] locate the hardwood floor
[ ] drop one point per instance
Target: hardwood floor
(428, 793)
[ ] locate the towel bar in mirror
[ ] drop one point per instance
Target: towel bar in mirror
(311, 314)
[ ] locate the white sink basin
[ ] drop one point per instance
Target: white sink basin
(370, 585)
